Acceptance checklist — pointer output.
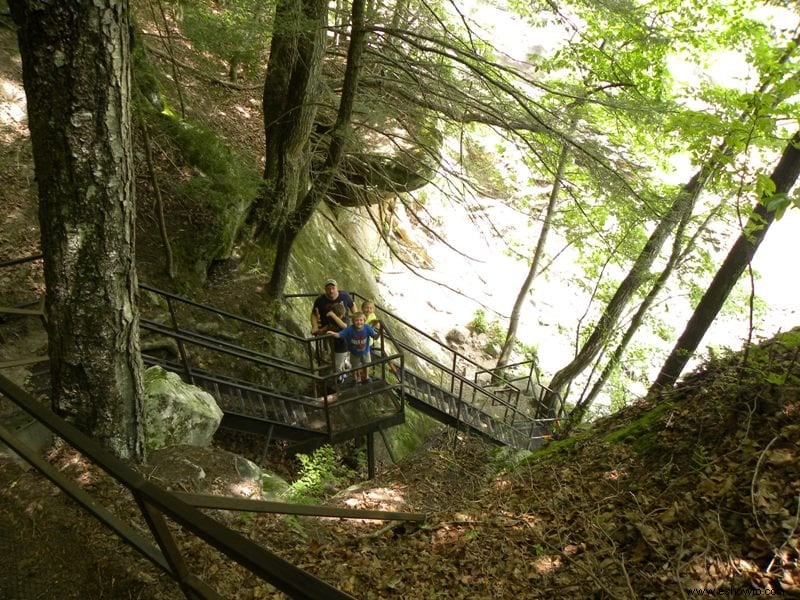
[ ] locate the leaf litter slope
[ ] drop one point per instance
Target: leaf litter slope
(697, 488)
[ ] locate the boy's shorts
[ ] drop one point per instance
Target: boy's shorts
(359, 360)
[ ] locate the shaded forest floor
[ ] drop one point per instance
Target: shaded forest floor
(699, 489)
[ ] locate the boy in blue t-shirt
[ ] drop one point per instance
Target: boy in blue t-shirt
(358, 337)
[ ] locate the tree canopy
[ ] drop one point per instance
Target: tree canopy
(603, 112)
(614, 131)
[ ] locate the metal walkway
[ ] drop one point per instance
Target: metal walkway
(303, 401)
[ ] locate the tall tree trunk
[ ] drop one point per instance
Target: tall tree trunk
(290, 107)
(513, 322)
(741, 253)
(683, 204)
(76, 70)
(322, 181)
(678, 251)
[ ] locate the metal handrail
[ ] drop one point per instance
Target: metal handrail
(156, 504)
(247, 354)
(455, 378)
(309, 372)
(318, 381)
(223, 313)
(464, 382)
(243, 352)
(455, 353)
(493, 372)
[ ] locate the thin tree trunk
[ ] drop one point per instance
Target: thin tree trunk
(639, 271)
(741, 253)
(678, 251)
(513, 322)
(682, 205)
(159, 202)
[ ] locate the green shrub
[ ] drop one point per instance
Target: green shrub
(317, 472)
(479, 324)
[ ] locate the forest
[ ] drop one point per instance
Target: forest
(215, 148)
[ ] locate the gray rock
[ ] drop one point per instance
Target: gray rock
(492, 349)
(457, 335)
(176, 412)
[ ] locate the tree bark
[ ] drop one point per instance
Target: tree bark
(678, 252)
(741, 253)
(338, 140)
(683, 203)
(76, 71)
(290, 89)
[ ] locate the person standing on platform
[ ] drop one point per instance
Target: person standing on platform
(325, 305)
(359, 336)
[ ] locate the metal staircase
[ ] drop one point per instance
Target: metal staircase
(304, 402)
(300, 400)
(449, 409)
(255, 409)
(446, 393)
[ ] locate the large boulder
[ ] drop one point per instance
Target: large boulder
(177, 413)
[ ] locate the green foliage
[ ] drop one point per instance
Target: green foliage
(766, 362)
(215, 184)
(641, 432)
(496, 334)
(479, 324)
(220, 189)
(506, 458)
(479, 164)
(529, 352)
(779, 203)
(618, 395)
(148, 96)
(700, 458)
(202, 148)
(407, 438)
(317, 472)
(556, 447)
(237, 31)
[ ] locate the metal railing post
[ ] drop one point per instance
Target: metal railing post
(327, 408)
(172, 554)
(453, 373)
(181, 347)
